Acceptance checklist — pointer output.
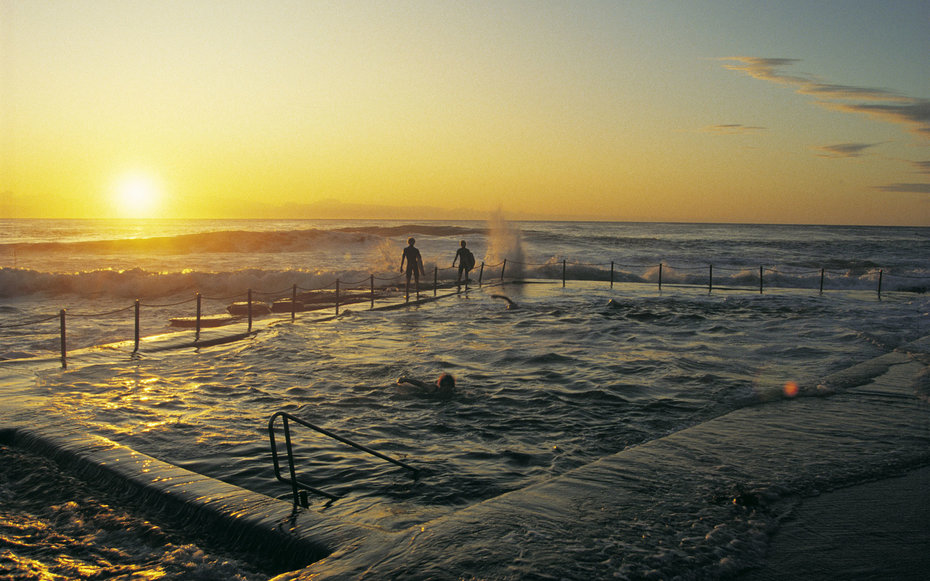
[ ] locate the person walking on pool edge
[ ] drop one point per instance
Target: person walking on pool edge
(414, 264)
(466, 262)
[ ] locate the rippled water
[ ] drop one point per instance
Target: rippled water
(569, 376)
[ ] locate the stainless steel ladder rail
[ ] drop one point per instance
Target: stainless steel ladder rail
(299, 488)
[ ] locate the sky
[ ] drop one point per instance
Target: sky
(745, 111)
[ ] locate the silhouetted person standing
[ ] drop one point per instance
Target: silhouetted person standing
(466, 262)
(414, 264)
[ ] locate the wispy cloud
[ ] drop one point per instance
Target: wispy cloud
(732, 129)
(922, 167)
(764, 68)
(844, 149)
(881, 104)
(915, 114)
(915, 188)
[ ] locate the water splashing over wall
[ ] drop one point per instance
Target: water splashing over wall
(505, 240)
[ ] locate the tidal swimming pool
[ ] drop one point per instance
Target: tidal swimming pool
(568, 377)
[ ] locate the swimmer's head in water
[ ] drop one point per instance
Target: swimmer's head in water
(446, 381)
(411, 241)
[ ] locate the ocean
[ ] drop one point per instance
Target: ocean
(622, 334)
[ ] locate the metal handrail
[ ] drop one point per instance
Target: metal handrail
(298, 488)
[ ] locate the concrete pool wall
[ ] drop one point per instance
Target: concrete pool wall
(241, 518)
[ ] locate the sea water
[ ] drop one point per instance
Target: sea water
(597, 356)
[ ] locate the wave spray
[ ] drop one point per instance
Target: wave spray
(505, 241)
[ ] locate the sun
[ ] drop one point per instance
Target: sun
(136, 195)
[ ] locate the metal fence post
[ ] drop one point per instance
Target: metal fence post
(64, 348)
(250, 310)
(197, 327)
(136, 348)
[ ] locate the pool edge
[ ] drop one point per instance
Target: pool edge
(242, 518)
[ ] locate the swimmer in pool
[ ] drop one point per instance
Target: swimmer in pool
(510, 303)
(445, 385)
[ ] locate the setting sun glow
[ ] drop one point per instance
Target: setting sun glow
(626, 111)
(136, 195)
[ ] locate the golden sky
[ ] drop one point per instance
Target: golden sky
(787, 112)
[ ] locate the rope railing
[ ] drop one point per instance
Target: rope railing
(272, 293)
(224, 298)
(29, 323)
(166, 305)
(908, 276)
(99, 315)
(353, 283)
(339, 292)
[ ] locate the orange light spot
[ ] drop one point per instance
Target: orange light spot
(791, 389)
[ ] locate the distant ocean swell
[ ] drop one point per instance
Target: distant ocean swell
(233, 241)
(140, 283)
(269, 257)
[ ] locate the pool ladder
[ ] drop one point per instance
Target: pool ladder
(299, 488)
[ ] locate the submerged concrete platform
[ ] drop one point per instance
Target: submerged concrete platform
(846, 532)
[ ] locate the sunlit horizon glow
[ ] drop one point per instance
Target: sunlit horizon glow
(136, 195)
(793, 112)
